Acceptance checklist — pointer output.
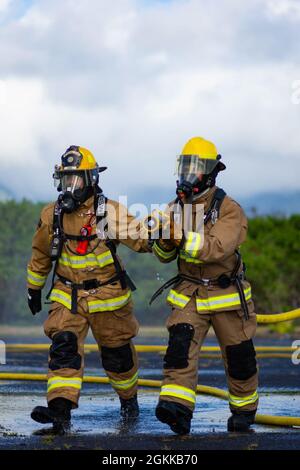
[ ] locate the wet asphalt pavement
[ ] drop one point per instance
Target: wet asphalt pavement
(96, 424)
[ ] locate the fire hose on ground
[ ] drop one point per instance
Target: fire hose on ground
(272, 351)
(288, 421)
(278, 317)
(207, 352)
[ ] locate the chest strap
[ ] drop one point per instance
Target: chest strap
(60, 237)
(79, 238)
(214, 209)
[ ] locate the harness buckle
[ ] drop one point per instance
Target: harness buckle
(214, 216)
(90, 284)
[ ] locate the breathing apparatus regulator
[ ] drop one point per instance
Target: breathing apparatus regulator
(197, 168)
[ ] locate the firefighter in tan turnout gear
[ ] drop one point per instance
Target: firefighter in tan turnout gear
(79, 233)
(210, 289)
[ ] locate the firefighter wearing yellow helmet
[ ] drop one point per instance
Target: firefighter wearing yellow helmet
(197, 166)
(76, 177)
(210, 288)
(90, 287)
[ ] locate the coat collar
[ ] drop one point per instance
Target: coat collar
(205, 200)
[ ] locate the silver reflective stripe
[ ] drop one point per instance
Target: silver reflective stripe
(105, 260)
(222, 301)
(64, 259)
(179, 392)
(90, 259)
(243, 401)
(35, 278)
(177, 299)
(61, 297)
(57, 382)
(189, 259)
(163, 254)
(124, 384)
(109, 304)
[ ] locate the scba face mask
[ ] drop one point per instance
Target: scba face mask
(76, 177)
(196, 174)
(197, 167)
(74, 190)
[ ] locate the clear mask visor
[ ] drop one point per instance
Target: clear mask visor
(74, 180)
(192, 168)
(69, 181)
(72, 183)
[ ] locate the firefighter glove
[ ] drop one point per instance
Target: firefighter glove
(34, 300)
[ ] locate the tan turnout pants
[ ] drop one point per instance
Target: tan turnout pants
(112, 330)
(188, 329)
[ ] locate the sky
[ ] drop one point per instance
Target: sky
(133, 80)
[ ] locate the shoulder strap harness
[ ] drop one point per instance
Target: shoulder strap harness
(60, 237)
(223, 280)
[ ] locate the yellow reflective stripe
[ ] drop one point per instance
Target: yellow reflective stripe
(243, 401)
(222, 301)
(246, 291)
(163, 254)
(177, 299)
(124, 384)
(57, 382)
(94, 305)
(186, 257)
(193, 243)
(109, 304)
(79, 262)
(178, 391)
(104, 259)
(61, 297)
(36, 279)
(212, 303)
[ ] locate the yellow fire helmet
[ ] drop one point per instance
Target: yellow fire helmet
(78, 169)
(200, 147)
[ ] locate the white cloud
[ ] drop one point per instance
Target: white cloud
(133, 83)
(4, 4)
(287, 8)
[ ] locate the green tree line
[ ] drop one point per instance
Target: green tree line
(271, 254)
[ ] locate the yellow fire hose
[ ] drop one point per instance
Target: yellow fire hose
(150, 348)
(289, 421)
(278, 317)
(260, 419)
(266, 318)
(264, 352)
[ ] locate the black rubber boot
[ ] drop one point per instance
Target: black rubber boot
(177, 416)
(129, 408)
(240, 421)
(58, 413)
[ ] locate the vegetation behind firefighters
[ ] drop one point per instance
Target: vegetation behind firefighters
(271, 253)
